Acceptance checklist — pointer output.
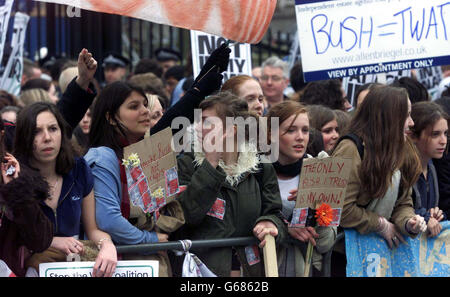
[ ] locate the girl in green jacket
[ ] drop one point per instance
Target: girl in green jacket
(224, 196)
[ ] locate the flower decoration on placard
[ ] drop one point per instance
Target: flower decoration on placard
(132, 160)
(158, 193)
(324, 215)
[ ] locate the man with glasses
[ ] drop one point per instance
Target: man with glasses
(274, 79)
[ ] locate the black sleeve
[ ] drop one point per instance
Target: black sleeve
(21, 197)
(183, 108)
(443, 173)
(75, 102)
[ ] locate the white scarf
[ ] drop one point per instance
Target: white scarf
(247, 162)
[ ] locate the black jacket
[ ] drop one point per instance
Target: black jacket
(443, 174)
(23, 223)
(183, 108)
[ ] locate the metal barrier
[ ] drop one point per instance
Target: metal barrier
(196, 244)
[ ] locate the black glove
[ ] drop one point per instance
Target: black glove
(210, 83)
(219, 57)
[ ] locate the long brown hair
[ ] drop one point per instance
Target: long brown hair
(320, 115)
(380, 121)
(283, 111)
(232, 85)
(425, 114)
(26, 132)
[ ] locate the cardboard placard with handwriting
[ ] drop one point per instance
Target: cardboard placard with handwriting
(151, 170)
(321, 181)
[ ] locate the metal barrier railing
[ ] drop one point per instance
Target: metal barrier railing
(211, 243)
(196, 244)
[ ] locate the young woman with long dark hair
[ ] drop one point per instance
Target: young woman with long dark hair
(378, 195)
(42, 142)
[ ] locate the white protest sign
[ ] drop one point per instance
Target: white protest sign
(144, 268)
(357, 37)
(352, 84)
(430, 77)
(5, 12)
(14, 68)
(203, 44)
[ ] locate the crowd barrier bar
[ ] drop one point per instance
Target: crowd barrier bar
(212, 243)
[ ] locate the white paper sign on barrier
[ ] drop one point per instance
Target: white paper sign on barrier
(144, 268)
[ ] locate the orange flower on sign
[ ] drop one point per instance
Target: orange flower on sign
(324, 215)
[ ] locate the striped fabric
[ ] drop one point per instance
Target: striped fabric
(238, 20)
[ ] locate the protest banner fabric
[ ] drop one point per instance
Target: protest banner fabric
(5, 13)
(203, 44)
(353, 37)
(12, 76)
(369, 255)
(239, 20)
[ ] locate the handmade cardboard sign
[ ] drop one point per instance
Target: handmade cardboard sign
(151, 170)
(321, 181)
(144, 268)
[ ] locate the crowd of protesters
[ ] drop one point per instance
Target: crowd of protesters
(64, 189)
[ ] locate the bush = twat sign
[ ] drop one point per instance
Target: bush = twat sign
(321, 181)
(355, 37)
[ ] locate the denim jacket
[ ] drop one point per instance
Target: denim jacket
(108, 196)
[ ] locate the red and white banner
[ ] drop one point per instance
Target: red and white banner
(239, 20)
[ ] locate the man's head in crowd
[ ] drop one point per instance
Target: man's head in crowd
(115, 67)
(296, 77)
(53, 66)
(146, 65)
(274, 79)
(257, 73)
(46, 85)
(416, 91)
(167, 58)
(325, 92)
(66, 77)
(150, 84)
(30, 71)
(172, 76)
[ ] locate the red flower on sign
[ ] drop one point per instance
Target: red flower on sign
(324, 215)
